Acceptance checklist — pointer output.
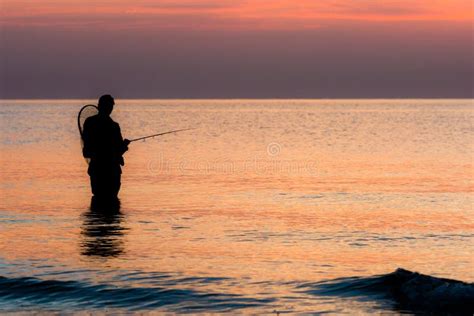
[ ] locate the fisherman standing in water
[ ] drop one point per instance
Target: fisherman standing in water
(104, 146)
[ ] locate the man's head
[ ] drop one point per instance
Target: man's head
(106, 104)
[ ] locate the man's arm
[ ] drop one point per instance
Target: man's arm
(123, 145)
(123, 142)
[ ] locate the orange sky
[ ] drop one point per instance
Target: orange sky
(289, 14)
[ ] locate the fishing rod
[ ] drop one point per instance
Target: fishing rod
(159, 134)
(91, 110)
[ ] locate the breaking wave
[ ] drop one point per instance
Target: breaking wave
(402, 290)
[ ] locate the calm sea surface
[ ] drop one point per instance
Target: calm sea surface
(261, 209)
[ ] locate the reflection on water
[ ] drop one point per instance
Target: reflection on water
(102, 229)
(264, 196)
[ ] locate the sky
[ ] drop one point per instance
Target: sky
(236, 48)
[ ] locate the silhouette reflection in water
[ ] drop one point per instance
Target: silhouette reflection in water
(102, 229)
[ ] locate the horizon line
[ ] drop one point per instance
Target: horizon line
(269, 98)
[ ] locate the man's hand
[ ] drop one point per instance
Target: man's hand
(126, 142)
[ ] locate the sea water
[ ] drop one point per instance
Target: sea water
(268, 206)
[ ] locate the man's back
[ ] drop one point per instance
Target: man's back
(103, 142)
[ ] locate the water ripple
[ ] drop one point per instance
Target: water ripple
(79, 294)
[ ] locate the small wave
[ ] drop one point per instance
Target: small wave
(403, 290)
(54, 294)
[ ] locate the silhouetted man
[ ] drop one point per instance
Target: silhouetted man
(104, 145)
